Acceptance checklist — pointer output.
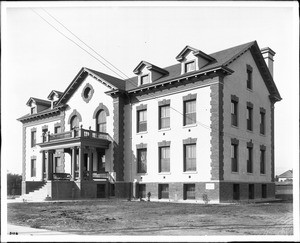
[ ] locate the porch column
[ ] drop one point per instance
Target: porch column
(73, 164)
(81, 158)
(43, 165)
(50, 165)
(90, 165)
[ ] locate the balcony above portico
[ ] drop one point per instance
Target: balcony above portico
(76, 137)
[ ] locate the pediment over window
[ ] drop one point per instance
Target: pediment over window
(148, 73)
(54, 95)
(192, 59)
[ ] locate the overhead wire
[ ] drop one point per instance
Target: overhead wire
(208, 127)
(74, 42)
(83, 42)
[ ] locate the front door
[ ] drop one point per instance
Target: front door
(236, 192)
(100, 190)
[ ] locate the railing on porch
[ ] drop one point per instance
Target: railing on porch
(61, 176)
(77, 133)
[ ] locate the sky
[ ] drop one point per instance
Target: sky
(36, 58)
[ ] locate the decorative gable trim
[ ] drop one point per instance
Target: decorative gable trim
(54, 92)
(38, 102)
(150, 67)
(195, 52)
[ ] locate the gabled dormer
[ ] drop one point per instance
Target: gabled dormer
(36, 105)
(54, 96)
(148, 73)
(192, 59)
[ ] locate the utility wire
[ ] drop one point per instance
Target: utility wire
(83, 42)
(197, 122)
(74, 42)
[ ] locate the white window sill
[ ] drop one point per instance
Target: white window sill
(164, 129)
(190, 172)
(190, 125)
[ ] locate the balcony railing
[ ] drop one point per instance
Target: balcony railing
(76, 133)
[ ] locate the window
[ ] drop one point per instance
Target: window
(74, 124)
(142, 121)
(190, 66)
(190, 157)
(262, 122)
(189, 191)
(249, 77)
(57, 129)
(236, 192)
(262, 161)
(164, 117)
(249, 118)
(234, 113)
(142, 161)
(251, 191)
(44, 131)
(33, 167)
(164, 159)
(189, 112)
(33, 138)
(101, 121)
(264, 191)
(145, 79)
(141, 190)
(249, 160)
(87, 92)
(234, 157)
(33, 110)
(163, 191)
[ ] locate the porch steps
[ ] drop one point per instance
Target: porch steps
(38, 195)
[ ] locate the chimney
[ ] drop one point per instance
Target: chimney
(268, 55)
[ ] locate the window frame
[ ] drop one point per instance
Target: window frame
(249, 159)
(143, 77)
(187, 116)
(249, 77)
(249, 118)
(187, 64)
(165, 161)
(140, 163)
(33, 167)
(192, 161)
(262, 124)
(262, 161)
(56, 128)
(234, 157)
(192, 193)
(162, 193)
(167, 119)
(101, 126)
(140, 123)
(33, 138)
(234, 113)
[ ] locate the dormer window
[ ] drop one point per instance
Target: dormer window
(190, 66)
(145, 79)
(33, 110)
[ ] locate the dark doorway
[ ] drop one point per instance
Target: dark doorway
(236, 191)
(100, 190)
(264, 191)
(142, 190)
(251, 191)
(112, 190)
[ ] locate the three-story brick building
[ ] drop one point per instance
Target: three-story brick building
(202, 128)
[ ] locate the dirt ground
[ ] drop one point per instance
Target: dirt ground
(113, 217)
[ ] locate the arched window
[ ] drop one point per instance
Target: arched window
(74, 122)
(101, 121)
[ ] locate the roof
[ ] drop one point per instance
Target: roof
(38, 101)
(287, 174)
(221, 59)
(116, 82)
